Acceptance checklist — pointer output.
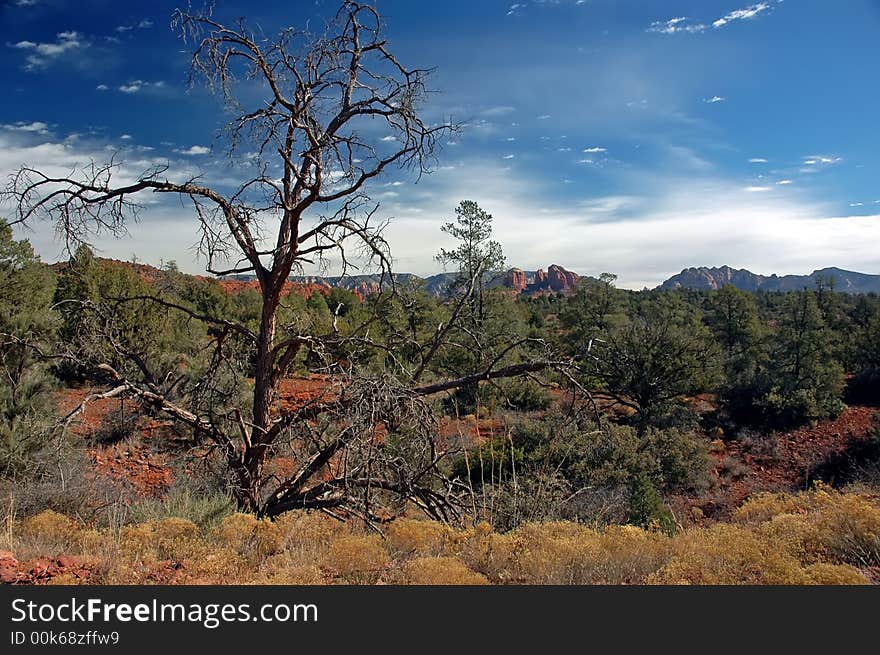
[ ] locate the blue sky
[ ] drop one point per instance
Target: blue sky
(632, 136)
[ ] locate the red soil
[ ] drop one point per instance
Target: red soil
(740, 470)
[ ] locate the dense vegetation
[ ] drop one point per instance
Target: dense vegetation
(605, 443)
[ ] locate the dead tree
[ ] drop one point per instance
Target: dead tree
(319, 135)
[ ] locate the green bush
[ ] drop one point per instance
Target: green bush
(647, 509)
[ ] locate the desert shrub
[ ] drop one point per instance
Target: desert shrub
(440, 571)
(249, 536)
(409, 537)
(550, 553)
(218, 565)
(357, 559)
(560, 552)
(485, 551)
(850, 529)
(49, 532)
(764, 506)
(309, 531)
(728, 554)
(821, 524)
(835, 574)
(796, 534)
(205, 510)
(169, 538)
(628, 555)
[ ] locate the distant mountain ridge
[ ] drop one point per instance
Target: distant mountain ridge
(704, 278)
(555, 279)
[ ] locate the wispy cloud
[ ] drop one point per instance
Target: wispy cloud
(501, 110)
(713, 100)
(741, 14)
(822, 160)
(676, 25)
(785, 182)
(136, 86)
(142, 25)
(757, 160)
(595, 149)
(758, 189)
(42, 54)
(36, 127)
(684, 25)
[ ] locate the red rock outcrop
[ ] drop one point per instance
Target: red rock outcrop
(516, 280)
(559, 279)
(555, 280)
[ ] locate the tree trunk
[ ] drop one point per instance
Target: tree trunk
(264, 395)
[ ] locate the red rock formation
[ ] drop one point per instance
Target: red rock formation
(558, 279)
(516, 280)
(555, 280)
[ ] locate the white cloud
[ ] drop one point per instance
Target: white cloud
(856, 204)
(757, 160)
(126, 137)
(194, 150)
(741, 14)
(389, 138)
(508, 156)
(758, 189)
(674, 222)
(595, 149)
(37, 127)
(25, 3)
(785, 182)
(102, 87)
(584, 161)
(544, 117)
(828, 160)
(136, 86)
(683, 24)
(42, 54)
(676, 25)
(145, 24)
